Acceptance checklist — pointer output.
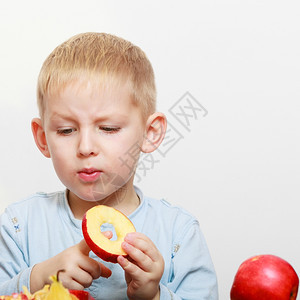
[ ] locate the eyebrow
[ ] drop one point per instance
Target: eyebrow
(118, 117)
(56, 115)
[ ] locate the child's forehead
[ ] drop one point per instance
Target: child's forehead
(95, 85)
(113, 85)
(97, 94)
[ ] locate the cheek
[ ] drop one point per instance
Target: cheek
(59, 147)
(127, 162)
(61, 157)
(130, 150)
(60, 166)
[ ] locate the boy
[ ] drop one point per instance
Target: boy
(96, 98)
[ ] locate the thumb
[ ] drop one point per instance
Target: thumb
(83, 247)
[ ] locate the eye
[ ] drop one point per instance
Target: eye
(109, 129)
(65, 131)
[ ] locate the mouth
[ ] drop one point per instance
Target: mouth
(89, 174)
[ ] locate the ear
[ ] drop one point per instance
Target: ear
(156, 126)
(40, 136)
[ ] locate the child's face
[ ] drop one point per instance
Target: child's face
(93, 136)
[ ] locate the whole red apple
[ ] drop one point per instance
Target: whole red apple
(265, 277)
(81, 295)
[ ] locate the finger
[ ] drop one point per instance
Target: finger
(69, 283)
(83, 247)
(144, 244)
(74, 285)
(107, 234)
(130, 268)
(90, 265)
(105, 271)
(94, 268)
(82, 277)
(139, 257)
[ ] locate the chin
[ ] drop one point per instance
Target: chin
(113, 196)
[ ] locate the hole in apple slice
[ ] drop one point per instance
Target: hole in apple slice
(109, 227)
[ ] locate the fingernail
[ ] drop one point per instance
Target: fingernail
(129, 237)
(121, 258)
(125, 245)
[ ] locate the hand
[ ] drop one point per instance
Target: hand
(79, 269)
(144, 267)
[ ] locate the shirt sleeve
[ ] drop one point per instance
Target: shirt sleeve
(14, 271)
(193, 276)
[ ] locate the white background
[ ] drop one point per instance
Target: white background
(238, 169)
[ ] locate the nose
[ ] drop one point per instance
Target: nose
(87, 145)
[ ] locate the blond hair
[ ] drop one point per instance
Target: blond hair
(98, 55)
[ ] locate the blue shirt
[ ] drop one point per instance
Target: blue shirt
(43, 225)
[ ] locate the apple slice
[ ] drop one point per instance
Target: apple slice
(102, 246)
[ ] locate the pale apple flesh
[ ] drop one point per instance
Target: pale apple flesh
(102, 246)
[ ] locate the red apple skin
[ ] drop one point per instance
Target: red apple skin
(81, 295)
(265, 277)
